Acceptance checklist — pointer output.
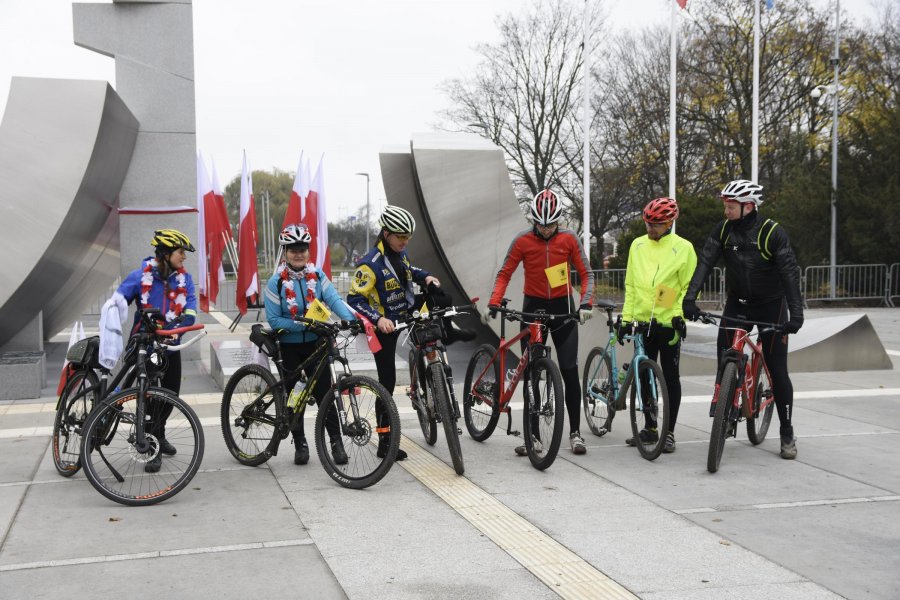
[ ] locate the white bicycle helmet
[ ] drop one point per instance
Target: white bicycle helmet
(295, 234)
(397, 220)
(742, 190)
(546, 208)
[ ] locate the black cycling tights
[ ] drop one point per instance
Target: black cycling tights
(774, 346)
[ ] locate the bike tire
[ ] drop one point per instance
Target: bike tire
(251, 413)
(651, 375)
(442, 403)
(758, 423)
(109, 442)
(722, 417)
(545, 409)
(597, 387)
(427, 422)
(74, 406)
(360, 441)
(481, 405)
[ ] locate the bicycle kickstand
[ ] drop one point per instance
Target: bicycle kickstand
(509, 429)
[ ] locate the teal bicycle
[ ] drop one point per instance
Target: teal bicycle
(606, 388)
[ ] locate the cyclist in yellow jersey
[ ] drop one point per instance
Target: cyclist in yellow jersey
(660, 266)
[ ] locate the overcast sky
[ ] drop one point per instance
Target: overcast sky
(275, 77)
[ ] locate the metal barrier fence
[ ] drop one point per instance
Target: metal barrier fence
(893, 284)
(852, 282)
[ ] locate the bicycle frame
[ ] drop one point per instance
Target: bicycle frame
(748, 377)
(433, 351)
(534, 349)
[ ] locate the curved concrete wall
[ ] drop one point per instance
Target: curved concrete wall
(65, 147)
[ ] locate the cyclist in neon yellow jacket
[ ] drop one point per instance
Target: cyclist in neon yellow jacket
(660, 266)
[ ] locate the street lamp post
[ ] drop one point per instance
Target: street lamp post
(366, 175)
(833, 90)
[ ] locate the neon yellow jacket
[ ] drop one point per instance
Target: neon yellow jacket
(657, 277)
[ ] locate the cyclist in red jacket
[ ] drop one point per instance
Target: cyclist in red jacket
(541, 248)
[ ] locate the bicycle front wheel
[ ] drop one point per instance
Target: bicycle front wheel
(762, 407)
(598, 389)
(481, 393)
(544, 413)
(251, 411)
(722, 419)
(418, 390)
(442, 403)
(653, 405)
(370, 439)
(119, 470)
(72, 410)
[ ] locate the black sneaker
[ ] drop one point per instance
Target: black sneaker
(647, 436)
(166, 448)
(789, 449)
(154, 465)
(301, 453)
(669, 446)
(338, 452)
(384, 444)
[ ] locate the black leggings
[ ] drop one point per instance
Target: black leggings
(658, 349)
(774, 347)
(158, 412)
(565, 340)
(292, 356)
(386, 364)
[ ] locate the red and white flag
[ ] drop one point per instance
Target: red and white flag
(213, 236)
(248, 278)
(315, 207)
(220, 205)
(295, 208)
(203, 187)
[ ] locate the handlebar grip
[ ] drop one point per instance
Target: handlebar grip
(178, 330)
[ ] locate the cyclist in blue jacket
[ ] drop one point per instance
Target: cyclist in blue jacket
(289, 292)
(162, 282)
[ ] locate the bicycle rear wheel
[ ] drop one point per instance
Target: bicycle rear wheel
(653, 405)
(481, 395)
(544, 413)
(418, 389)
(442, 403)
(118, 470)
(366, 463)
(722, 419)
(598, 389)
(761, 416)
(72, 410)
(251, 411)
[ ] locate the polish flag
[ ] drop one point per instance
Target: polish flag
(220, 205)
(315, 207)
(213, 235)
(203, 188)
(248, 278)
(295, 208)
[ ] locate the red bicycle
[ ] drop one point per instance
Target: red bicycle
(743, 389)
(487, 394)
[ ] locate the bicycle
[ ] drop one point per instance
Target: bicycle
(604, 395)
(747, 392)
(258, 411)
(486, 393)
(122, 434)
(431, 379)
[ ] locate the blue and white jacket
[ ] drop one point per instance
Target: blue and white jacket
(376, 291)
(162, 293)
(278, 312)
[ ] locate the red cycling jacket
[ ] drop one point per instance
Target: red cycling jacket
(562, 251)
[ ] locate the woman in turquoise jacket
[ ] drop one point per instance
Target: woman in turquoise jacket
(289, 292)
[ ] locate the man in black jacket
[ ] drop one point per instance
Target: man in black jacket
(762, 283)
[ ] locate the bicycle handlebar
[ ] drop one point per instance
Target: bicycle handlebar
(710, 318)
(178, 330)
(517, 315)
(331, 329)
(188, 343)
(450, 311)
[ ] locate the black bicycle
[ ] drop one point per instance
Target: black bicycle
(258, 410)
(431, 379)
(121, 438)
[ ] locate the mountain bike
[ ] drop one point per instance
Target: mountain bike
(606, 391)
(123, 434)
(486, 393)
(259, 411)
(743, 388)
(431, 379)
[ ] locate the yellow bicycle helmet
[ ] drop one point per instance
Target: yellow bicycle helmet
(169, 240)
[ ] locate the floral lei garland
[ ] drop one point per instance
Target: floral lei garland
(309, 273)
(177, 297)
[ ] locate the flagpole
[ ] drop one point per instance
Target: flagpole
(754, 168)
(673, 65)
(586, 203)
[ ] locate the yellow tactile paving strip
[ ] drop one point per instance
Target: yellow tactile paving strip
(556, 566)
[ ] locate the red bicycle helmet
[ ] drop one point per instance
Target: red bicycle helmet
(661, 210)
